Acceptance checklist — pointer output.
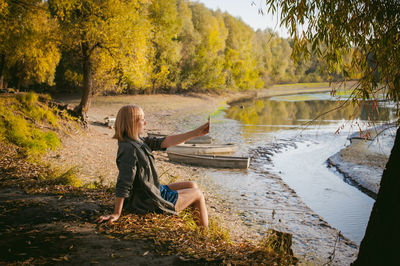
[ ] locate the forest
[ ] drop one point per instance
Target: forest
(142, 46)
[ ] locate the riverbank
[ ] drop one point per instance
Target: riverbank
(285, 89)
(362, 162)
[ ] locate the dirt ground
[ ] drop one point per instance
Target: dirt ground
(49, 230)
(43, 224)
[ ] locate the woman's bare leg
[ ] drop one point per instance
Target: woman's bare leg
(195, 198)
(182, 185)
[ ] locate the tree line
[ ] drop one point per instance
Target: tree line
(142, 46)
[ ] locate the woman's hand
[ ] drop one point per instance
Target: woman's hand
(119, 202)
(110, 218)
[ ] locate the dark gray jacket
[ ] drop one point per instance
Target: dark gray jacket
(137, 179)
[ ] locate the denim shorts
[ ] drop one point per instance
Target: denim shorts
(169, 194)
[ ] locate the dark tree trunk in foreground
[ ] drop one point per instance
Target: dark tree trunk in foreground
(381, 242)
(84, 105)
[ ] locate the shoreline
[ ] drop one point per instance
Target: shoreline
(362, 162)
(275, 91)
(359, 178)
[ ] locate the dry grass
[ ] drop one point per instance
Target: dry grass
(179, 235)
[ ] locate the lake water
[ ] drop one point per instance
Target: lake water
(284, 136)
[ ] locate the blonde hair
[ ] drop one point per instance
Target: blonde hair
(126, 123)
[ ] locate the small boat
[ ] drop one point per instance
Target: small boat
(110, 121)
(199, 149)
(213, 161)
(197, 140)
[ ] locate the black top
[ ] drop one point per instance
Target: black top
(137, 179)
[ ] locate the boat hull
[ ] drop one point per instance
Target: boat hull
(199, 149)
(212, 161)
(200, 140)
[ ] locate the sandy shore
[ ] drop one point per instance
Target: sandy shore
(93, 151)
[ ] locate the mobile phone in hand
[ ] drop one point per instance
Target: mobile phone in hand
(209, 124)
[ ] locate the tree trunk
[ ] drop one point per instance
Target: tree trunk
(84, 105)
(2, 64)
(18, 88)
(381, 241)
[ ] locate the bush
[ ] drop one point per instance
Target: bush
(17, 124)
(57, 176)
(69, 178)
(28, 99)
(33, 108)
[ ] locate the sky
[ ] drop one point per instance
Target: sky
(248, 13)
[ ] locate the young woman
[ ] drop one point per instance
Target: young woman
(138, 188)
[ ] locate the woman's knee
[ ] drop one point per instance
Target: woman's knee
(199, 194)
(190, 184)
(193, 184)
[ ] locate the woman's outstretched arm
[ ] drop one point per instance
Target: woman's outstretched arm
(180, 138)
(119, 202)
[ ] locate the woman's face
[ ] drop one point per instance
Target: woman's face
(141, 123)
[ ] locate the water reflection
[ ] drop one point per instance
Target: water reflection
(274, 114)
